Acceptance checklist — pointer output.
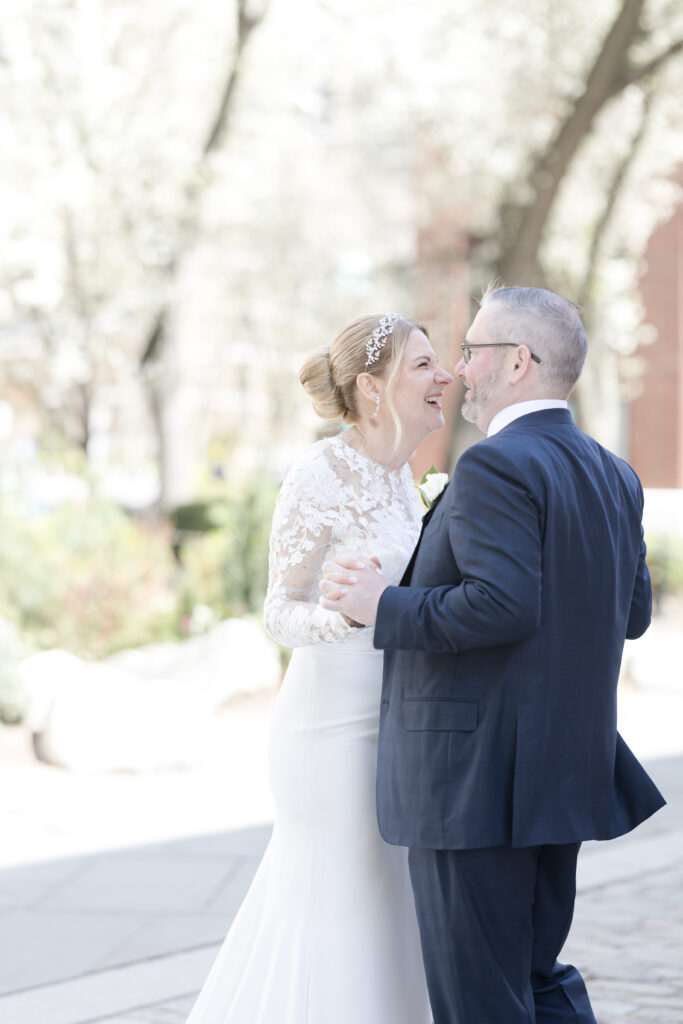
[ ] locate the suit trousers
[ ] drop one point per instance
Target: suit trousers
(492, 923)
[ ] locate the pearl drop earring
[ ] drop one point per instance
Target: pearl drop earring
(377, 405)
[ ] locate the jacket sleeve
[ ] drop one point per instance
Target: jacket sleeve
(494, 528)
(640, 614)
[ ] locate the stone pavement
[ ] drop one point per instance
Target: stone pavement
(115, 891)
(627, 935)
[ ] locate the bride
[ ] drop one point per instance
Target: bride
(327, 933)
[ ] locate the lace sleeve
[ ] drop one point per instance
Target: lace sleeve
(302, 536)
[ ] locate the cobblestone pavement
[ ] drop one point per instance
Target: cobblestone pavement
(627, 940)
(627, 934)
(121, 927)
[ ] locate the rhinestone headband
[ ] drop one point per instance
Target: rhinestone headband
(376, 343)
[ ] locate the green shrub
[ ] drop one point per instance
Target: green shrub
(87, 578)
(12, 697)
(225, 566)
(665, 562)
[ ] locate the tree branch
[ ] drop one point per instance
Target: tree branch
(617, 186)
(246, 23)
(524, 223)
(637, 74)
(73, 276)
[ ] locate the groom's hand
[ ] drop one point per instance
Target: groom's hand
(352, 586)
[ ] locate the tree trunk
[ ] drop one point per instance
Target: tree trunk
(166, 405)
(523, 225)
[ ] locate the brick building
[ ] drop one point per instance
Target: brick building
(656, 416)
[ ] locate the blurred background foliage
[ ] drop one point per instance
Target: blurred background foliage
(84, 577)
(195, 195)
(12, 695)
(88, 577)
(665, 562)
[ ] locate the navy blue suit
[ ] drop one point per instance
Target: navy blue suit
(498, 734)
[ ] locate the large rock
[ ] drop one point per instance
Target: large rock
(145, 709)
(90, 716)
(235, 657)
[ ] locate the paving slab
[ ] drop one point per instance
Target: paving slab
(166, 935)
(44, 947)
(141, 885)
(27, 885)
(65, 919)
(122, 992)
(625, 858)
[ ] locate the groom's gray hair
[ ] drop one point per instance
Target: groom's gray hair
(548, 325)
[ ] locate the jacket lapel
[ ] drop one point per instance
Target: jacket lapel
(405, 579)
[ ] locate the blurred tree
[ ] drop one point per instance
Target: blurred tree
(616, 67)
(109, 153)
(633, 56)
(160, 380)
(151, 219)
(536, 144)
(544, 141)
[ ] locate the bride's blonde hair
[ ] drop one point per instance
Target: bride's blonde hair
(329, 375)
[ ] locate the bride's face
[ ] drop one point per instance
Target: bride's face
(419, 389)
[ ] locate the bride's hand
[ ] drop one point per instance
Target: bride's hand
(352, 586)
(345, 557)
(337, 571)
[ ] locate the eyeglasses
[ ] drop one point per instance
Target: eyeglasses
(467, 354)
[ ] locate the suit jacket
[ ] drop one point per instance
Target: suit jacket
(498, 716)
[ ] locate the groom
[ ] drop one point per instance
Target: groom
(498, 751)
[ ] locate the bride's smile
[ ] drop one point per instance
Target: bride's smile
(404, 407)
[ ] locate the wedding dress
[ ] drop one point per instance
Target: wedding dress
(327, 933)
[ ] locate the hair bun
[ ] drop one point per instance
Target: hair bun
(317, 380)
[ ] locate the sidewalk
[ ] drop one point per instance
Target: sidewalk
(116, 891)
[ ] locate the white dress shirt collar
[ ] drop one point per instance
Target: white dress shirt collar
(513, 412)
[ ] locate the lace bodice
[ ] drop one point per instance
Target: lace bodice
(332, 499)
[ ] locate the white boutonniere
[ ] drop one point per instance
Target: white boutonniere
(431, 487)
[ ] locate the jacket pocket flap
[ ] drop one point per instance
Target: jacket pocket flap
(441, 715)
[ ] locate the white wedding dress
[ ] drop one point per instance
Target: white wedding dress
(327, 933)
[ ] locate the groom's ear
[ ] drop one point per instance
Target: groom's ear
(521, 364)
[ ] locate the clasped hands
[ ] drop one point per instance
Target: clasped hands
(352, 586)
